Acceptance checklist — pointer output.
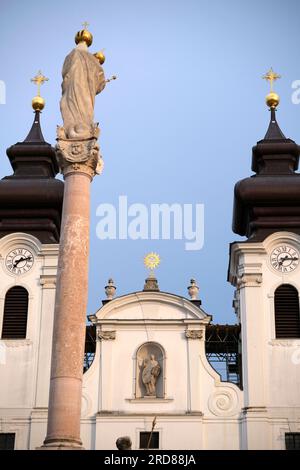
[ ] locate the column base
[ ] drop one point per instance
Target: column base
(61, 444)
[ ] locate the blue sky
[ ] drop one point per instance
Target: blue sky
(176, 127)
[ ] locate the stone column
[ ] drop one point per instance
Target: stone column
(79, 161)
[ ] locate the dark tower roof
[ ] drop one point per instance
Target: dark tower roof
(31, 199)
(35, 133)
(274, 132)
(269, 201)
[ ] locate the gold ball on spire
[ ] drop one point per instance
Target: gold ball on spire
(272, 99)
(84, 36)
(38, 103)
(100, 56)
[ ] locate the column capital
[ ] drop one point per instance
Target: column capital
(194, 334)
(249, 280)
(106, 335)
(79, 155)
(48, 281)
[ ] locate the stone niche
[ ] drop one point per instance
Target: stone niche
(150, 371)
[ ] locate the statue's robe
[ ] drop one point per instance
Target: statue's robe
(83, 79)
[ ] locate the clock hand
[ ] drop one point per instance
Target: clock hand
(21, 259)
(282, 260)
(18, 261)
(286, 258)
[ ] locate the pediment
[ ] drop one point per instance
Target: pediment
(158, 306)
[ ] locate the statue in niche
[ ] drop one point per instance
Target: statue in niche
(150, 372)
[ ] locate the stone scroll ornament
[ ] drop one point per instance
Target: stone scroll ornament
(223, 402)
(83, 79)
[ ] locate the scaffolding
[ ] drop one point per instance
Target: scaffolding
(223, 351)
(90, 347)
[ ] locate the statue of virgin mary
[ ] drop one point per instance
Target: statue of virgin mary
(83, 79)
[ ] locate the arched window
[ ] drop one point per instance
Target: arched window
(15, 313)
(287, 315)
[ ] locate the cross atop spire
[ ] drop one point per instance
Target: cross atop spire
(271, 76)
(38, 80)
(272, 98)
(85, 25)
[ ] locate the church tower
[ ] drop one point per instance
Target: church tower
(30, 216)
(265, 272)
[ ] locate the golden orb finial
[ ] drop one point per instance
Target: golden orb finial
(100, 56)
(38, 103)
(272, 99)
(84, 35)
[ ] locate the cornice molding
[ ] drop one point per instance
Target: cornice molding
(286, 343)
(16, 343)
(154, 297)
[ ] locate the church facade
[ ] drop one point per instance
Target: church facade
(150, 377)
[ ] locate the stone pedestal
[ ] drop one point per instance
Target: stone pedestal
(78, 160)
(151, 283)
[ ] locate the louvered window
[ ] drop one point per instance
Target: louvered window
(7, 441)
(292, 440)
(15, 313)
(287, 317)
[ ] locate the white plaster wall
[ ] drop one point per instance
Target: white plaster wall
(24, 374)
(221, 434)
(196, 402)
(199, 411)
(121, 386)
(174, 432)
(270, 366)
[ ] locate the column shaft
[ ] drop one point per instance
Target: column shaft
(70, 315)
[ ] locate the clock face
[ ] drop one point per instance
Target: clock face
(284, 258)
(19, 261)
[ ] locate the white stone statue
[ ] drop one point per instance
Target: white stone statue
(83, 79)
(150, 373)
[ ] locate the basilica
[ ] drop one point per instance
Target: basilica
(149, 367)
